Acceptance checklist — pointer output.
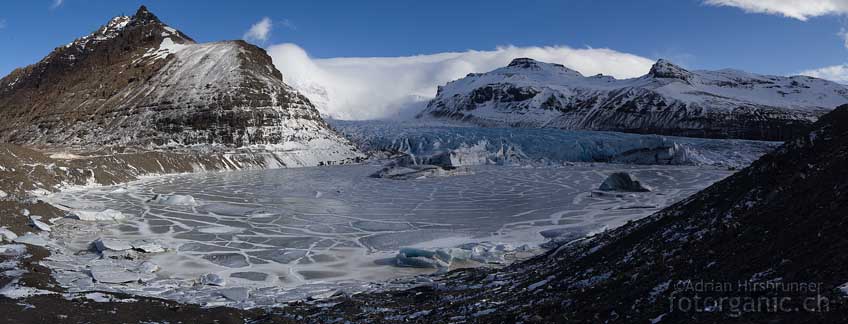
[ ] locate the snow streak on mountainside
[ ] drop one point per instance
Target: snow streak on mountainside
(668, 100)
(137, 81)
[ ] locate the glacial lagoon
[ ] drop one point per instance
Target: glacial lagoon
(304, 230)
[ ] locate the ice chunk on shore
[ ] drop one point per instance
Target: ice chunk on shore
(12, 250)
(7, 235)
(31, 239)
(113, 274)
(174, 200)
(235, 294)
(443, 257)
(623, 181)
(35, 222)
(94, 216)
(487, 252)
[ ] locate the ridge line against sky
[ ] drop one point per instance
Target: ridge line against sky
(365, 59)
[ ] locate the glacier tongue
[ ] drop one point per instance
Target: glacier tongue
(445, 144)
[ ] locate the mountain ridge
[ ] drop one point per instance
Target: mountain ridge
(668, 100)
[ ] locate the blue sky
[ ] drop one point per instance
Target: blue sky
(686, 31)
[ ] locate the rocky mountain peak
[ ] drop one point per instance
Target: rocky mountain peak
(144, 16)
(666, 70)
(533, 65)
(137, 81)
(524, 63)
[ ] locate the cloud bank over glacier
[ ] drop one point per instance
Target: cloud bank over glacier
(399, 87)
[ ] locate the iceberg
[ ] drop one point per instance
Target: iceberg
(623, 181)
(419, 258)
(484, 252)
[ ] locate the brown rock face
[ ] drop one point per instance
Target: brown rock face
(137, 81)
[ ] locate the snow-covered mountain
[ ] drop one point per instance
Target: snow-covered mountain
(668, 100)
(137, 81)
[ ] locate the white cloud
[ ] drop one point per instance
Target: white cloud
(260, 31)
(288, 24)
(386, 87)
(798, 9)
(843, 34)
(836, 73)
(57, 4)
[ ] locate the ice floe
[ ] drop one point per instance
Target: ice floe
(94, 216)
(105, 244)
(31, 239)
(174, 200)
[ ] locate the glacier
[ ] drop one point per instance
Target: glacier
(462, 145)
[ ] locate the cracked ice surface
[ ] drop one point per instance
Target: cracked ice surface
(268, 231)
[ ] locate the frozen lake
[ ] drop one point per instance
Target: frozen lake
(287, 227)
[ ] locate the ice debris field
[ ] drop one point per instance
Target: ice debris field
(254, 238)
